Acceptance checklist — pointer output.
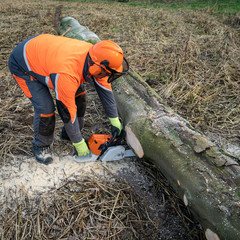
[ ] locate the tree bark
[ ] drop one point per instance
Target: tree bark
(205, 178)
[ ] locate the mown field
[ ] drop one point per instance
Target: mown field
(189, 53)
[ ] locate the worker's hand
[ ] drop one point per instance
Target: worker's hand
(116, 126)
(82, 148)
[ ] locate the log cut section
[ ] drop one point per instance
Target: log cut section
(204, 177)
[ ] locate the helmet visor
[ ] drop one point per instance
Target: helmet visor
(115, 74)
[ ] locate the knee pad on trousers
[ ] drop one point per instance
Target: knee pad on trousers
(81, 102)
(47, 125)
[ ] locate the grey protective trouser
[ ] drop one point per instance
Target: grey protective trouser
(42, 101)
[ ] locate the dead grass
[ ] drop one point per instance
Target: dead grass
(89, 209)
(97, 207)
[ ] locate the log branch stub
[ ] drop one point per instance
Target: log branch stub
(210, 235)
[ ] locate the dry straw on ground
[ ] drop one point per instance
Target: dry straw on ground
(90, 209)
(100, 206)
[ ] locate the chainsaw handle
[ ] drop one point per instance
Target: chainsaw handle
(110, 143)
(112, 139)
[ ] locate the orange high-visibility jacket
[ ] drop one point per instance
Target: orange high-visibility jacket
(60, 63)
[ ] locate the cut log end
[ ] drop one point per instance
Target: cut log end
(133, 142)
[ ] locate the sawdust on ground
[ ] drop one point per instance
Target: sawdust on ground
(26, 176)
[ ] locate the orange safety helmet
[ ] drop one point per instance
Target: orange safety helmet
(106, 59)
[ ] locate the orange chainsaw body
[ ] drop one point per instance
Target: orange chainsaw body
(96, 140)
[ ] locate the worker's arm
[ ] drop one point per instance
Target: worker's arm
(105, 93)
(106, 96)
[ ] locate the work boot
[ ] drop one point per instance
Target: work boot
(42, 154)
(64, 134)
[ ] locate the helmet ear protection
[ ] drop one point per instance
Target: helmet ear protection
(95, 70)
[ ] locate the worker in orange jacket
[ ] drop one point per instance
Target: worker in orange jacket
(63, 64)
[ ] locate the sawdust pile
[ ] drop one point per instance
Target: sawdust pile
(31, 178)
(71, 201)
(68, 200)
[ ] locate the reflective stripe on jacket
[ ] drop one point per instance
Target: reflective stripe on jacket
(61, 61)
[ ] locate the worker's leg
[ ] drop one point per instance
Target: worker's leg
(43, 121)
(81, 103)
(39, 95)
(44, 116)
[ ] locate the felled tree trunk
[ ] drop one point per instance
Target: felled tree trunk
(206, 179)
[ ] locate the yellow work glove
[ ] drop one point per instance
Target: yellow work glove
(116, 126)
(81, 148)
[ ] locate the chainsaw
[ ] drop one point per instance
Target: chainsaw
(106, 147)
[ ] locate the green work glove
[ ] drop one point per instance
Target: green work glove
(116, 126)
(82, 148)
